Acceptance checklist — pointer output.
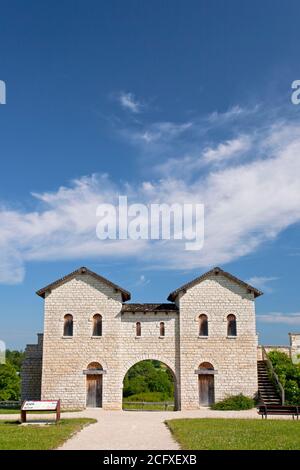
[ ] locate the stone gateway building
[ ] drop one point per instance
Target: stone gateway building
(205, 335)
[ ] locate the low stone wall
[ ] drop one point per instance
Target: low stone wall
(268, 348)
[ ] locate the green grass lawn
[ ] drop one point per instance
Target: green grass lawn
(236, 434)
(13, 436)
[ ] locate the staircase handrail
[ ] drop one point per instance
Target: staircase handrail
(273, 374)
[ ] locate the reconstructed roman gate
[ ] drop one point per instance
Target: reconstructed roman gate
(205, 335)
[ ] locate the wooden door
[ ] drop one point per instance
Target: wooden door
(206, 389)
(94, 391)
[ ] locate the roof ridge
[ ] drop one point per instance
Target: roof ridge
(216, 270)
(82, 270)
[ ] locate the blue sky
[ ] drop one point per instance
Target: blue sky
(164, 101)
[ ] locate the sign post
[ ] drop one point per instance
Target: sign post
(40, 405)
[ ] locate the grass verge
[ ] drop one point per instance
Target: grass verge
(236, 434)
(13, 436)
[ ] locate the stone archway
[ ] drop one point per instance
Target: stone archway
(166, 362)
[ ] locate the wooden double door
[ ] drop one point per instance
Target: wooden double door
(206, 389)
(94, 391)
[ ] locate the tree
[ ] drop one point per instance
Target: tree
(9, 383)
(15, 358)
(148, 376)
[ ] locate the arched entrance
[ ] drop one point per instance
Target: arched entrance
(94, 374)
(206, 383)
(150, 385)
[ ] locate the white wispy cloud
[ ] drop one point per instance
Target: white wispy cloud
(246, 203)
(142, 281)
(262, 282)
(160, 131)
(278, 317)
(232, 113)
(128, 101)
(227, 150)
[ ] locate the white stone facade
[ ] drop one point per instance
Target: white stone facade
(83, 295)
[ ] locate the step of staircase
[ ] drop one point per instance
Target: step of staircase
(266, 388)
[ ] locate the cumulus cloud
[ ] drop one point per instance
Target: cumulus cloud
(278, 317)
(247, 202)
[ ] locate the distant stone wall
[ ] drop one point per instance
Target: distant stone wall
(295, 347)
(31, 372)
(268, 348)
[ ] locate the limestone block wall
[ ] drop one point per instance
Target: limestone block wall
(31, 371)
(150, 345)
(234, 359)
(268, 348)
(181, 349)
(295, 347)
(65, 358)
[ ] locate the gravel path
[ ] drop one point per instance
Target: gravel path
(133, 429)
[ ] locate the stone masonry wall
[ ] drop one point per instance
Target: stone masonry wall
(31, 372)
(295, 347)
(65, 358)
(234, 358)
(182, 350)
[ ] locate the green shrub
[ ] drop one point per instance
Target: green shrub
(235, 402)
(288, 374)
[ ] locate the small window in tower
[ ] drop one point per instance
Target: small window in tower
(203, 325)
(68, 325)
(97, 325)
(138, 329)
(162, 328)
(231, 325)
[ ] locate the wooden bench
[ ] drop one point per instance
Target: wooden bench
(265, 410)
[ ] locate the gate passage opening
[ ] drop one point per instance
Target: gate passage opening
(149, 385)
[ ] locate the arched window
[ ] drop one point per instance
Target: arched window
(203, 325)
(68, 325)
(97, 325)
(231, 325)
(138, 329)
(162, 328)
